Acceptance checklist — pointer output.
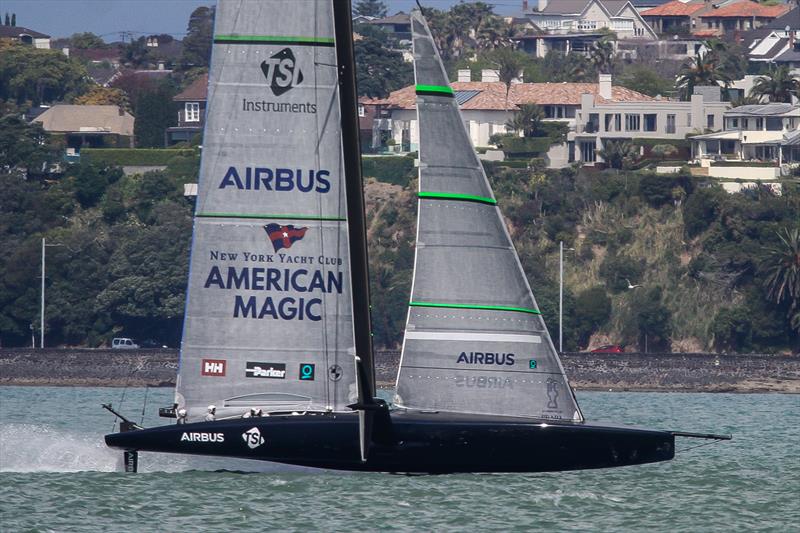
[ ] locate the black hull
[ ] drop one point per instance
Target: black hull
(412, 443)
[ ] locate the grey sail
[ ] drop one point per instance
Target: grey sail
(475, 341)
(269, 319)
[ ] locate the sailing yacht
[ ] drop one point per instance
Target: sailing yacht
(277, 313)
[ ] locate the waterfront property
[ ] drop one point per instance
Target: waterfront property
(191, 114)
(89, 125)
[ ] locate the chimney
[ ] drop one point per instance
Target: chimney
(604, 86)
(161, 65)
(490, 75)
(464, 74)
(65, 51)
(541, 5)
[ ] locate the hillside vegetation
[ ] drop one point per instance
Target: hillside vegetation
(702, 257)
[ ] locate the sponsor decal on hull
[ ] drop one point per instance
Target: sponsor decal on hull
(265, 370)
(202, 436)
(253, 439)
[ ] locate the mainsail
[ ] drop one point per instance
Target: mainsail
(475, 341)
(269, 317)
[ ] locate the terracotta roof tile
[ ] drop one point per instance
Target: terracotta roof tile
(748, 9)
(196, 91)
(492, 95)
(676, 8)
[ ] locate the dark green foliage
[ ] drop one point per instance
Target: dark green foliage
(658, 190)
(24, 145)
(90, 184)
(700, 209)
(38, 75)
(369, 8)
(86, 40)
(155, 112)
(651, 318)
(135, 157)
(646, 80)
(389, 169)
(197, 43)
(618, 271)
(592, 311)
(732, 329)
(380, 69)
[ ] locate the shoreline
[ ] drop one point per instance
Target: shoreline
(626, 372)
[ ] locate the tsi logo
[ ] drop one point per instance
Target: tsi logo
(253, 438)
(282, 72)
(213, 367)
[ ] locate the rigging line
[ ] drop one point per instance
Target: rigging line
(714, 441)
(144, 405)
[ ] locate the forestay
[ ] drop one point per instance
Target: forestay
(269, 312)
(475, 341)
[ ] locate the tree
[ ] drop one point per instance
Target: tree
(701, 70)
(90, 184)
(602, 55)
(592, 311)
(38, 75)
(86, 40)
(8, 20)
(779, 85)
(618, 154)
(646, 80)
(24, 145)
(663, 150)
(652, 319)
(527, 120)
(198, 41)
(380, 70)
(370, 8)
(98, 95)
(136, 53)
(783, 274)
(13, 19)
(509, 64)
(155, 112)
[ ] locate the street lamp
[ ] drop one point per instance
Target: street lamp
(41, 317)
(561, 294)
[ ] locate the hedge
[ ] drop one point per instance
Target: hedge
(397, 170)
(744, 164)
(677, 143)
(134, 156)
(525, 146)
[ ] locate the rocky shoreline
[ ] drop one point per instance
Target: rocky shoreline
(617, 372)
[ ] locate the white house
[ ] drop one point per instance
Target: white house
(580, 16)
(25, 36)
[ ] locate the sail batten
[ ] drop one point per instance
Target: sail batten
(475, 340)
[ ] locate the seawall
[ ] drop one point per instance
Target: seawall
(628, 371)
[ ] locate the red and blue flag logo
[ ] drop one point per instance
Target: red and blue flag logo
(284, 236)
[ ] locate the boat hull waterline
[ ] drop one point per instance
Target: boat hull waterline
(412, 442)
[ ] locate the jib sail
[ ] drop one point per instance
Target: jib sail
(475, 341)
(269, 320)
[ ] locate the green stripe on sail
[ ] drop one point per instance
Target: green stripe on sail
(274, 39)
(269, 216)
(442, 89)
(454, 196)
(474, 306)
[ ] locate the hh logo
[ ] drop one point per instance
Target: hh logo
(282, 72)
(284, 236)
(213, 367)
(253, 439)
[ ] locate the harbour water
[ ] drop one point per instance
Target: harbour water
(57, 475)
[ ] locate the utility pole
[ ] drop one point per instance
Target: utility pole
(41, 316)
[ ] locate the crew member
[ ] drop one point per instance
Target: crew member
(212, 413)
(181, 416)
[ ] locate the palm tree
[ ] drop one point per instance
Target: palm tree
(783, 273)
(701, 70)
(777, 86)
(617, 154)
(527, 120)
(509, 64)
(602, 55)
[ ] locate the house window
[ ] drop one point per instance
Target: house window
(632, 122)
(192, 112)
(733, 123)
(588, 154)
(759, 123)
(710, 121)
(774, 124)
(361, 111)
(593, 126)
(608, 118)
(670, 123)
(689, 119)
(650, 122)
(617, 122)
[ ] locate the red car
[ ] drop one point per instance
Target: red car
(610, 348)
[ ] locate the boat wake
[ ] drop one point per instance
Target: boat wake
(29, 448)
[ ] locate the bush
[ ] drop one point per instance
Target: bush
(397, 170)
(700, 210)
(592, 311)
(134, 156)
(618, 270)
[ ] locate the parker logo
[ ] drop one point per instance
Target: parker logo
(265, 370)
(197, 436)
(213, 367)
(253, 439)
(282, 72)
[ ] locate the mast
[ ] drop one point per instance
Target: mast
(357, 228)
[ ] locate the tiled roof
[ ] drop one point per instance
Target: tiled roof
(398, 18)
(87, 118)
(791, 19)
(195, 92)
(779, 45)
(492, 95)
(748, 9)
(562, 7)
(676, 8)
(706, 33)
(16, 31)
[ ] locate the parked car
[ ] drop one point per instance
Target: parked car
(609, 348)
(122, 343)
(151, 343)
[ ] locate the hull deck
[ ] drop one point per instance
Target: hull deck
(410, 442)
